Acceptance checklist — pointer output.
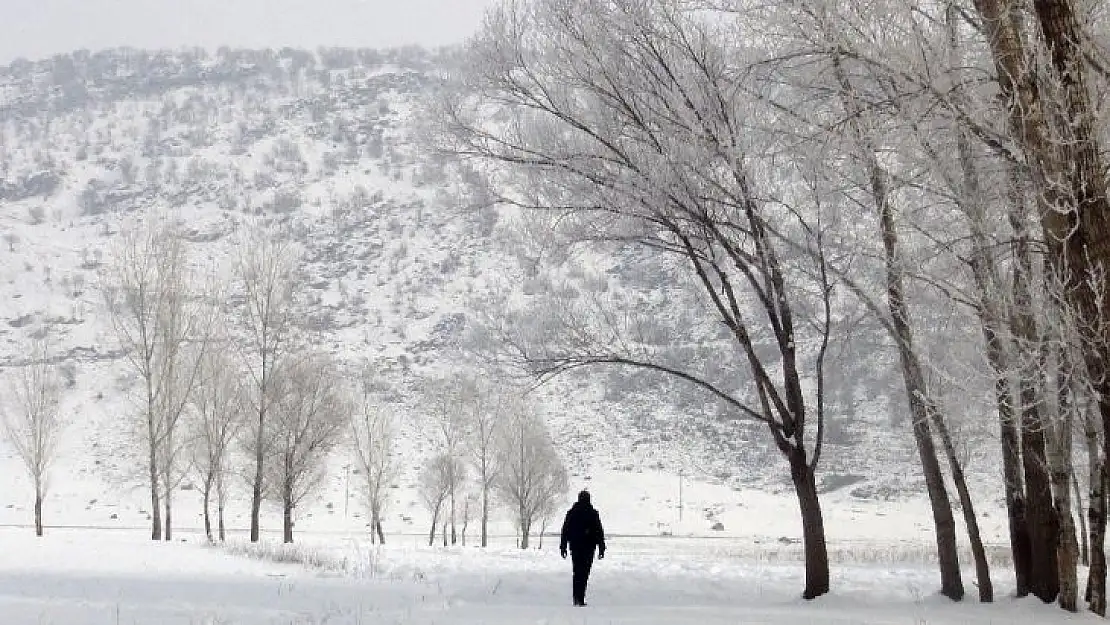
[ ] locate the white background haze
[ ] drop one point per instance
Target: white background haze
(38, 28)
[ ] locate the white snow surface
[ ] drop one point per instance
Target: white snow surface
(93, 577)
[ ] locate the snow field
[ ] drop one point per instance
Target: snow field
(88, 577)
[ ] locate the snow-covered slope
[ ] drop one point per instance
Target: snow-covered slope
(400, 247)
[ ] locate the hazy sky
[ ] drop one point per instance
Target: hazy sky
(38, 28)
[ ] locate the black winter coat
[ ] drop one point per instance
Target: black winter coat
(582, 530)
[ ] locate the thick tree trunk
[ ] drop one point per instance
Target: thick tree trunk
(813, 526)
(1068, 549)
(1096, 514)
(982, 567)
(287, 514)
(1041, 519)
(432, 533)
(1078, 229)
(38, 511)
(525, 530)
(220, 522)
(378, 529)
(1068, 555)
(168, 520)
(1068, 182)
(485, 515)
(1060, 468)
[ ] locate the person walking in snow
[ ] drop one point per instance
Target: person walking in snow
(582, 533)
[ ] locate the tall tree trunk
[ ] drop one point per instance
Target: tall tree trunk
(813, 525)
(1040, 516)
(1096, 512)
(155, 501)
(378, 529)
(1013, 480)
(287, 513)
(1067, 551)
(485, 513)
(221, 500)
(1060, 467)
(454, 534)
(168, 520)
(256, 487)
(982, 567)
(1068, 179)
(38, 510)
(208, 480)
(916, 388)
(1077, 226)
(525, 530)
(916, 391)
(1080, 513)
(432, 533)
(985, 273)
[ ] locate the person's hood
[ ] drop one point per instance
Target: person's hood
(582, 505)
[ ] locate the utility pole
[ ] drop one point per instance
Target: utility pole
(347, 490)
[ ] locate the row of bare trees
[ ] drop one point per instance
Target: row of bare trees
(223, 390)
(787, 167)
(490, 440)
(233, 390)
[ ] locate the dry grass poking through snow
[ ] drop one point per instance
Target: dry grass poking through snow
(358, 562)
(863, 553)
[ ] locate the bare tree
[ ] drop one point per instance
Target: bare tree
(436, 481)
(480, 406)
(266, 272)
(630, 125)
(33, 426)
(217, 417)
(545, 515)
(309, 415)
(163, 328)
(532, 478)
(448, 431)
(1064, 168)
(373, 441)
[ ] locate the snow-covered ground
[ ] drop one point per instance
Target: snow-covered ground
(84, 577)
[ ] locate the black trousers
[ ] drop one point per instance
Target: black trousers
(583, 561)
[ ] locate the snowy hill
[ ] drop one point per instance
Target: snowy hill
(401, 247)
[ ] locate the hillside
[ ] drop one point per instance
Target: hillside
(402, 248)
